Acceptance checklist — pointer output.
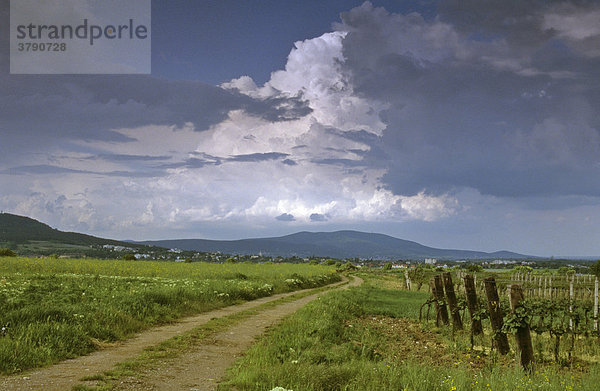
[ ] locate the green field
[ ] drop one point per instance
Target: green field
(370, 338)
(52, 309)
(364, 338)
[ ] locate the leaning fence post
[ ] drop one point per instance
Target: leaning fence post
(452, 302)
(435, 302)
(471, 295)
(438, 293)
(522, 334)
(496, 316)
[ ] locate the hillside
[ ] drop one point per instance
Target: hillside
(339, 244)
(31, 236)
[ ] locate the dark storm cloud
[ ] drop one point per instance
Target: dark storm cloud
(48, 110)
(127, 158)
(474, 102)
(201, 159)
(41, 169)
(258, 157)
(42, 112)
(282, 109)
(45, 169)
(340, 162)
(285, 217)
(289, 162)
(318, 217)
(132, 174)
(521, 22)
(204, 159)
(518, 20)
(192, 163)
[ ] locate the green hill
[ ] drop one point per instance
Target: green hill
(28, 236)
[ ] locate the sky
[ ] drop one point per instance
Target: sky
(454, 123)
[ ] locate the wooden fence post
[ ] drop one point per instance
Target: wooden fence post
(471, 295)
(522, 335)
(438, 293)
(596, 304)
(571, 297)
(496, 315)
(437, 310)
(452, 302)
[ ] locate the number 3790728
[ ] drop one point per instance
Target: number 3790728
(41, 47)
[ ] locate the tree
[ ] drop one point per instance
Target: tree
(418, 276)
(6, 252)
(523, 269)
(387, 266)
(595, 268)
(349, 266)
(474, 268)
(129, 257)
(565, 270)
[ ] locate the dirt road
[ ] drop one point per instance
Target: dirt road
(198, 370)
(202, 368)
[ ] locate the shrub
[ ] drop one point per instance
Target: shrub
(474, 268)
(6, 252)
(129, 257)
(347, 267)
(595, 268)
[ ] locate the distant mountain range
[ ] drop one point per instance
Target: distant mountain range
(339, 244)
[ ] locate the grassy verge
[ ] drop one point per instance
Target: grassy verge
(369, 338)
(56, 309)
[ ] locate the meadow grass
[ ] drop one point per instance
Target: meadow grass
(55, 309)
(369, 338)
